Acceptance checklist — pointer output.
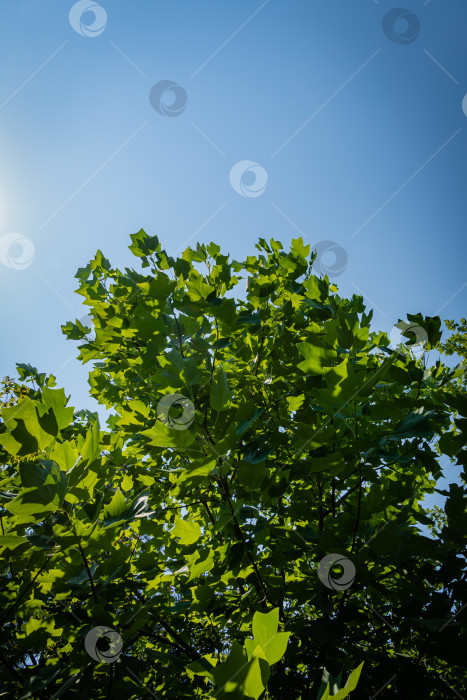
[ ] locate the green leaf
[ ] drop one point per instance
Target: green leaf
(198, 290)
(299, 249)
(56, 400)
(256, 678)
(187, 531)
(117, 510)
(116, 506)
(273, 644)
(143, 245)
(91, 447)
(415, 425)
(164, 436)
(256, 451)
(265, 626)
(295, 402)
(196, 470)
(199, 564)
(127, 482)
(318, 360)
(46, 491)
(245, 424)
(65, 455)
(12, 541)
(230, 675)
(41, 541)
(202, 596)
(28, 431)
(220, 395)
(348, 688)
(203, 667)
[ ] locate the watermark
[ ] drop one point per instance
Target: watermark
(168, 98)
(16, 251)
(103, 644)
(248, 178)
(401, 26)
(88, 18)
(331, 259)
(336, 581)
(404, 347)
(464, 105)
(176, 411)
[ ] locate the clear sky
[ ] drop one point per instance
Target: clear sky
(350, 113)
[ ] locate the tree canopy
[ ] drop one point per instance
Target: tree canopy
(250, 522)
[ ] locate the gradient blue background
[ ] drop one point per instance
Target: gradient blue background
(86, 160)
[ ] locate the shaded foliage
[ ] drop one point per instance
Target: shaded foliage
(251, 436)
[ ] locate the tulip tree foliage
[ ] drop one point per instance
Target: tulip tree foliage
(457, 344)
(250, 521)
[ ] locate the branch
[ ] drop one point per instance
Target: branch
(431, 634)
(192, 653)
(9, 562)
(108, 694)
(88, 571)
(320, 506)
(210, 381)
(10, 668)
(242, 537)
(13, 605)
(357, 523)
(359, 504)
(178, 329)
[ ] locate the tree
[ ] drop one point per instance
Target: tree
(249, 522)
(456, 344)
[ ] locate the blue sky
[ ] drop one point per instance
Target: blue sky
(361, 135)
